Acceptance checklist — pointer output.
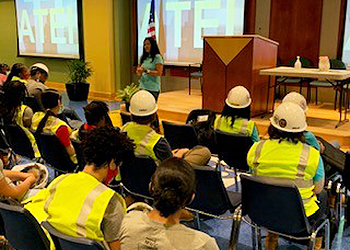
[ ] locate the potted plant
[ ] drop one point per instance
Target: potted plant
(125, 94)
(77, 87)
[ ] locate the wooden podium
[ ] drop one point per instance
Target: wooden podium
(229, 61)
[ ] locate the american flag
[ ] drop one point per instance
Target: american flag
(151, 32)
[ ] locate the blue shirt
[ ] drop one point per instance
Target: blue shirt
(150, 82)
(311, 140)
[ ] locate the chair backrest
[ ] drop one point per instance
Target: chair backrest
(136, 174)
(272, 205)
(211, 195)
(126, 117)
(202, 114)
(233, 149)
(19, 141)
(21, 228)
(180, 135)
(79, 151)
(66, 242)
(54, 152)
(337, 64)
(33, 103)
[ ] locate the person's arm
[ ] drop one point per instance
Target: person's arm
(319, 177)
(63, 135)
(27, 117)
(115, 245)
(15, 175)
(139, 69)
(157, 72)
(18, 191)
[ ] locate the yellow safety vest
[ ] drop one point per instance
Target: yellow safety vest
(19, 121)
(79, 214)
(144, 137)
(291, 163)
(240, 125)
(52, 123)
(16, 78)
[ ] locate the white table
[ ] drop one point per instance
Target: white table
(339, 77)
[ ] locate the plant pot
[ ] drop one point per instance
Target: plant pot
(127, 106)
(77, 91)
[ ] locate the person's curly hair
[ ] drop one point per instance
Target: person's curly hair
(102, 145)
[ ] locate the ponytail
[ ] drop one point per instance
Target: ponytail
(43, 121)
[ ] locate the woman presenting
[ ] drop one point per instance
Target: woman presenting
(150, 67)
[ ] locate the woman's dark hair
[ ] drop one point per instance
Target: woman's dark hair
(102, 145)
(153, 52)
(14, 93)
(233, 113)
(275, 133)
(3, 66)
(16, 70)
(49, 99)
(172, 186)
(95, 111)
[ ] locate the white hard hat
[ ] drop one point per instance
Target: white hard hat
(289, 117)
(142, 103)
(238, 98)
(43, 174)
(40, 66)
(296, 98)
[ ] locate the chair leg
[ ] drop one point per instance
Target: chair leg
(335, 99)
(327, 236)
(197, 222)
(312, 242)
(253, 237)
(259, 239)
(236, 179)
(316, 95)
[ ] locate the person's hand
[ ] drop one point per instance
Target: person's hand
(179, 153)
(139, 70)
(31, 179)
(322, 147)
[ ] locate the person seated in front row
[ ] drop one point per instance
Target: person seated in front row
(48, 121)
(172, 188)
(235, 117)
(4, 70)
(96, 115)
(80, 204)
(143, 108)
(286, 157)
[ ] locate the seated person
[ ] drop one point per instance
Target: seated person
(287, 158)
(18, 72)
(4, 69)
(172, 188)
(143, 108)
(96, 115)
(39, 73)
(93, 210)
(13, 111)
(235, 117)
(301, 101)
(48, 121)
(7, 177)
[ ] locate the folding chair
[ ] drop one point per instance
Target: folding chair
(180, 135)
(54, 153)
(233, 149)
(279, 209)
(136, 176)
(211, 198)
(66, 242)
(19, 141)
(21, 228)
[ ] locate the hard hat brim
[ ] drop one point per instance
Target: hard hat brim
(286, 129)
(135, 112)
(238, 107)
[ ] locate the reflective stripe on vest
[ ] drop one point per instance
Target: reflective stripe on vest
(269, 160)
(19, 120)
(240, 125)
(52, 123)
(144, 137)
(84, 214)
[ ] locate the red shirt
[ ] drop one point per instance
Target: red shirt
(62, 134)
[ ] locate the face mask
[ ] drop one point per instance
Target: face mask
(7, 73)
(111, 174)
(61, 109)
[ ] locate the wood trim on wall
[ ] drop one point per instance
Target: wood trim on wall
(134, 29)
(342, 19)
(249, 16)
